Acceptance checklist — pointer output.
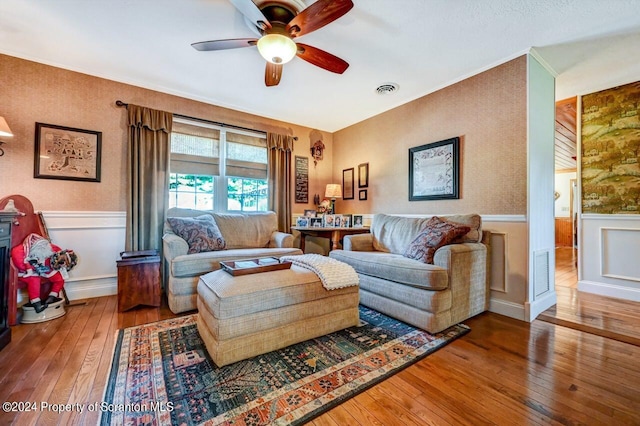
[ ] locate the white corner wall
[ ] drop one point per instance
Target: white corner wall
(541, 293)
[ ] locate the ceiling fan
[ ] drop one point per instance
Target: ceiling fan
(279, 23)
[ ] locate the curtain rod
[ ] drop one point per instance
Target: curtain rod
(119, 103)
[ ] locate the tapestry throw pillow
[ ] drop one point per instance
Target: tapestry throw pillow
(434, 235)
(201, 233)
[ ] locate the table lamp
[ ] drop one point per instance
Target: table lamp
(4, 131)
(333, 191)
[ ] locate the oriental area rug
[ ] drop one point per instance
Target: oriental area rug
(161, 373)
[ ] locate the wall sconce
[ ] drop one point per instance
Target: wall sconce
(333, 191)
(4, 131)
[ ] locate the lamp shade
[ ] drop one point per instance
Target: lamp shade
(333, 190)
(4, 128)
(277, 48)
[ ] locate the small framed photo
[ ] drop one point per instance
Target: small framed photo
(309, 213)
(315, 222)
(329, 220)
(302, 222)
(346, 221)
(358, 221)
(362, 195)
(337, 220)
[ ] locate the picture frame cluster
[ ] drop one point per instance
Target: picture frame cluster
(348, 184)
(310, 220)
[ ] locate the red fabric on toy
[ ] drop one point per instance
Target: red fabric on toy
(31, 274)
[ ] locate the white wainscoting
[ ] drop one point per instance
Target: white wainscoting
(614, 241)
(608, 250)
(499, 268)
(97, 238)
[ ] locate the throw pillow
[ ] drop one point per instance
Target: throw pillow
(201, 233)
(435, 234)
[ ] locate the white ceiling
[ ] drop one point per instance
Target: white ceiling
(422, 45)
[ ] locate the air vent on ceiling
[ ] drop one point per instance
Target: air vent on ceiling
(387, 88)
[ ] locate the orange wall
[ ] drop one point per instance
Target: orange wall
(33, 92)
(489, 114)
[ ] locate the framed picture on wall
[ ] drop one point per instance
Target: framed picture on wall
(67, 153)
(363, 175)
(347, 184)
(434, 170)
(302, 179)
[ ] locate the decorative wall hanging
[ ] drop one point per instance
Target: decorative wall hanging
(434, 170)
(611, 151)
(347, 184)
(316, 151)
(362, 195)
(67, 153)
(302, 180)
(363, 175)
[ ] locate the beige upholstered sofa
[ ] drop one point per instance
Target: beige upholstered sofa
(245, 236)
(429, 296)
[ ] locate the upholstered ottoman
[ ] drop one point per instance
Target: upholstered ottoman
(243, 316)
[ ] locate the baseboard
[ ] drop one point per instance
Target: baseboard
(533, 309)
(83, 289)
(610, 290)
(509, 309)
(92, 287)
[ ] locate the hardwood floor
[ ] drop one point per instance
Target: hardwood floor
(606, 316)
(503, 372)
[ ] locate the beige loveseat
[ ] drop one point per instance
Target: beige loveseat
(245, 236)
(429, 296)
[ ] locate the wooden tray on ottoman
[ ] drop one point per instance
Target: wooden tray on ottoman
(254, 266)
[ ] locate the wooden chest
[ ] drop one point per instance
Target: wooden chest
(138, 279)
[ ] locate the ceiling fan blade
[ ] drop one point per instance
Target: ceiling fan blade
(231, 43)
(321, 58)
(272, 74)
(317, 16)
(253, 14)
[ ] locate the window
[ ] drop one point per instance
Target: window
(213, 168)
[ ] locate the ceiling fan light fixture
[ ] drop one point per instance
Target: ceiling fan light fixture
(277, 48)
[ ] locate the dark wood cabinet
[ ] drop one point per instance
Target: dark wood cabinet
(5, 248)
(138, 279)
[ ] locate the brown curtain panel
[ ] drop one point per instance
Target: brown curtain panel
(279, 149)
(148, 170)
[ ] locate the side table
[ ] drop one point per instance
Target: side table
(333, 234)
(138, 279)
